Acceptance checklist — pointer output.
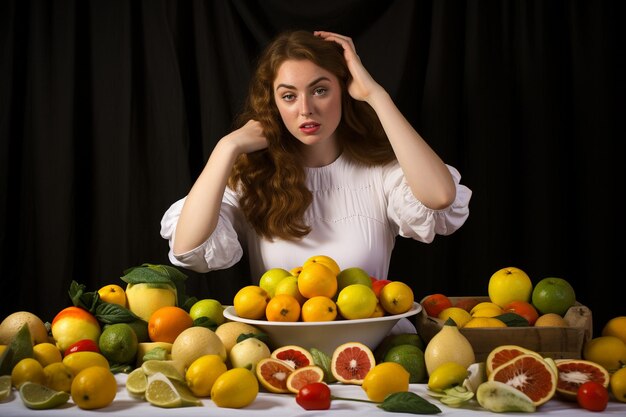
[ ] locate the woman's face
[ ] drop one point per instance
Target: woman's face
(308, 98)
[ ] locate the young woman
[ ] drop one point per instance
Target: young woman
(323, 163)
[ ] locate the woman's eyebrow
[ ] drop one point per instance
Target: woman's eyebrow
(317, 80)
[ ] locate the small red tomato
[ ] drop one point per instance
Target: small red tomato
(314, 396)
(593, 396)
(84, 345)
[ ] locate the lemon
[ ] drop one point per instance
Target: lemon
(356, 301)
(618, 385)
(113, 294)
(459, 315)
(40, 397)
(168, 369)
(46, 353)
(486, 311)
(78, 361)
(5, 386)
(250, 302)
(608, 351)
(136, 383)
(484, 322)
(203, 372)
(235, 388)
(58, 377)
(27, 370)
(93, 387)
(616, 327)
(447, 375)
(384, 379)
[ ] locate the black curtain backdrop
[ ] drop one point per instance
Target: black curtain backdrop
(109, 110)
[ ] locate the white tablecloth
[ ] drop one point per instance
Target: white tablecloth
(280, 405)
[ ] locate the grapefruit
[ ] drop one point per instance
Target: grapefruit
(304, 376)
(351, 362)
(575, 372)
(272, 373)
(505, 353)
(529, 374)
(295, 356)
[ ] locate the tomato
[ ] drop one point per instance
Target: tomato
(593, 396)
(84, 345)
(524, 309)
(435, 304)
(314, 396)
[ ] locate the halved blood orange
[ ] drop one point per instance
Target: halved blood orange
(575, 372)
(530, 374)
(351, 362)
(505, 353)
(303, 376)
(272, 373)
(295, 356)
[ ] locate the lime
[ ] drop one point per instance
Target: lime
(5, 386)
(397, 339)
(154, 366)
(40, 397)
(411, 358)
(118, 343)
(162, 392)
(136, 383)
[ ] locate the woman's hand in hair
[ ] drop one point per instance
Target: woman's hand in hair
(362, 86)
(248, 138)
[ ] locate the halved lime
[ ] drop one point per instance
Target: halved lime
(136, 383)
(40, 397)
(5, 386)
(154, 366)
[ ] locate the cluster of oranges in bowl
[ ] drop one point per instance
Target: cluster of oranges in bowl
(320, 291)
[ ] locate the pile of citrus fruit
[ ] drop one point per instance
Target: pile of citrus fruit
(320, 290)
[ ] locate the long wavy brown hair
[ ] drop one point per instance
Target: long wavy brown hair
(274, 196)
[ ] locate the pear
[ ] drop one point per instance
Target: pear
(448, 345)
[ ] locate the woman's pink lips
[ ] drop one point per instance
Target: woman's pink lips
(309, 127)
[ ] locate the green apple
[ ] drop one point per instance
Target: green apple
(353, 275)
(270, 279)
(553, 295)
(289, 286)
(210, 308)
(509, 284)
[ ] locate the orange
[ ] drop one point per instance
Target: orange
(283, 307)
(319, 308)
(167, 323)
(435, 303)
(524, 309)
(316, 279)
(250, 302)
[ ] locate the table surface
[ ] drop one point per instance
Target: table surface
(279, 405)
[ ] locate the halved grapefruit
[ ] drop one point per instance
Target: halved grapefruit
(272, 373)
(351, 362)
(505, 353)
(530, 374)
(295, 356)
(303, 376)
(575, 372)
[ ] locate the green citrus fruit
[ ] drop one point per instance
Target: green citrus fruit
(411, 358)
(118, 343)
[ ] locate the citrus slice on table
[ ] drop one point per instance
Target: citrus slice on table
(575, 372)
(273, 373)
(529, 374)
(136, 383)
(162, 392)
(40, 397)
(295, 356)
(5, 386)
(505, 353)
(303, 376)
(351, 362)
(153, 366)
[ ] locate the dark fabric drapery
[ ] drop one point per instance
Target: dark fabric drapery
(109, 110)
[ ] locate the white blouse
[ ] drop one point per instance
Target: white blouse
(355, 215)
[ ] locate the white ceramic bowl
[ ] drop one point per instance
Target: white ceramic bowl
(326, 336)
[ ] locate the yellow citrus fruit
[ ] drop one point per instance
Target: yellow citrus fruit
(248, 352)
(235, 388)
(27, 370)
(447, 375)
(250, 302)
(78, 361)
(194, 342)
(616, 327)
(282, 307)
(47, 353)
(113, 294)
(356, 301)
(319, 308)
(486, 309)
(618, 384)
(230, 331)
(484, 322)
(202, 374)
(396, 297)
(379, 311)
(167, 322)
(459, 315)
(317, 279)
(509, 284)
(384, 379)
(289, 286)
(94, 387)
(58, 377)
(296, 271)
(608, 351)
(550, 320)
(327, 261)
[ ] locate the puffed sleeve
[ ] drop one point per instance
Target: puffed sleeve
(221, 250)
(413, 219)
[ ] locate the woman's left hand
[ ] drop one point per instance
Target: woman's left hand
(362, 85)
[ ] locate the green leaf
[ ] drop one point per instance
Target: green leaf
(408, 402)
(513, 320)
(86, 300)
(322, 360)
(159, 274)
(110, 313)
(157, 353)
(261, 336)
(204, 321)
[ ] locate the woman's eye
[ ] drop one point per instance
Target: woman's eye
(320, 91)
(289, 97)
